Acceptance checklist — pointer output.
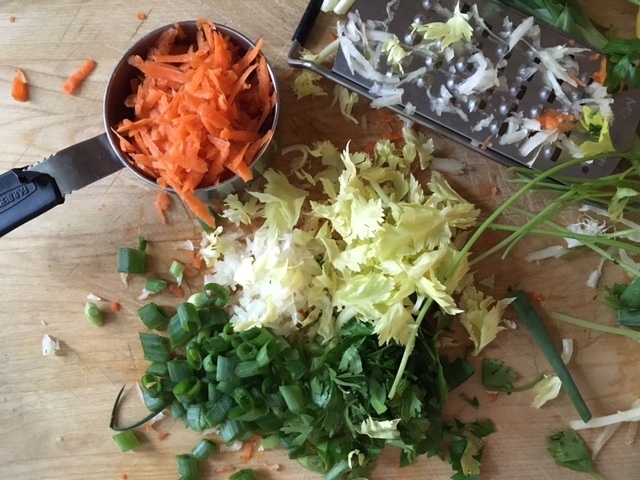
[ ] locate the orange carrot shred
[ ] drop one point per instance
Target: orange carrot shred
(554, 120)
(196, 260)
(19, 90)
(12, 19)
(162, 435)
(225, 469)
(601, 75)
(200, 114)
(141, 16)
(163, 201)
(77, 78)
(148, 427)
(115, 307)
(124, 476)
(176, 290)
(247, 451)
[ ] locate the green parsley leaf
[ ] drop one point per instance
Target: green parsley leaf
(623, 54)
(497, 377)
(474, 402)
(568, 450)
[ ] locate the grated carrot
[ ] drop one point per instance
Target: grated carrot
(19, 89)
(196, 260)
(601, 75)
(162, 435)
(200, 113)
(176, 290)
(77, 78)
(555, 120)
(124, 476)
(492, 397)
(148, 426)
(225, 469)
(115, 307)
(163, 201)
(247, 451)
(141, 16)
(12, 19)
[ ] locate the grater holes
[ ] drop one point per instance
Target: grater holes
(465, 7)
(521, 93)
(555, 155)
(483, 104)
(536, 60)
(503, 129)
(551, 97)
(486, 31)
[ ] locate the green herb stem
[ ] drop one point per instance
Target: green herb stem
(464, 252)
(633, 334)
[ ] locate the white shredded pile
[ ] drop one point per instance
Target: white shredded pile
(369, 48)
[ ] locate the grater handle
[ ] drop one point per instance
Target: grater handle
(307, 21)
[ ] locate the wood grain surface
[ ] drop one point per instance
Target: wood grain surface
(54, 411)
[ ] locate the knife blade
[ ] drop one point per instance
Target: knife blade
(28, 192)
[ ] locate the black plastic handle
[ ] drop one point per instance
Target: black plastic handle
(307, 21)
(24, 195)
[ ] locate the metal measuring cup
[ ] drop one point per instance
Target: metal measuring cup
(27, 192)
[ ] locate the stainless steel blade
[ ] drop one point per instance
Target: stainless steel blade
(81, 164)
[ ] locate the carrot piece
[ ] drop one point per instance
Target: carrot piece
(141, 16)
(115, 307)
(247, 451)
(12, 19)
(176, 290)
(148, 427)
(162, 435)
(225, 469)
(124, 476)
(77, 78)
(19, 90)
(555, 120)
(196, 260)
(601, 75)
(163, 201)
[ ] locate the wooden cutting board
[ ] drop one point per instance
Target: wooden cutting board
(54, 411)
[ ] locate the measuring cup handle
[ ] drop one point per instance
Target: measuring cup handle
(24, 195)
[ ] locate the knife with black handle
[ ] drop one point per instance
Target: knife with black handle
(26, 193)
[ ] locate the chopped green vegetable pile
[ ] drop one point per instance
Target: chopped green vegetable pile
(325, 404)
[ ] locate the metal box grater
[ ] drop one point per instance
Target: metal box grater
(520, 91)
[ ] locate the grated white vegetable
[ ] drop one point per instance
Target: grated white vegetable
(93, 298)
(50, 345)
(631, 415)
(603, 438)
(567, 350)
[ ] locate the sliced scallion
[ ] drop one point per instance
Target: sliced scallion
(131, 260)
(246, 474)
(126, 440)
(187, 465)
(177, 271)
(152, 316)
(189, 318)
(178, 336)
(155, 285)
(204, 449)
(533, 322)
(294, 398)
(217, 295)
(154, 347)
(93, 314)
